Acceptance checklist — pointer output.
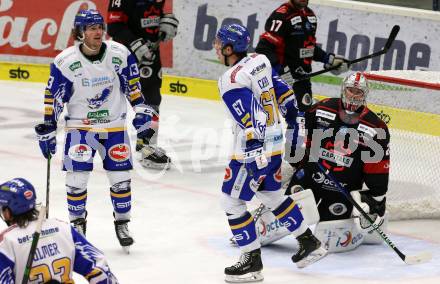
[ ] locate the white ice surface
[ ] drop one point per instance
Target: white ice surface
(180, 230)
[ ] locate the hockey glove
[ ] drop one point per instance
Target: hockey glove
(373, 206)
(335, 60)
(168, 27)
(287, 76)
(143, 122)
(46, 135)
(254, 158)
(143, 51)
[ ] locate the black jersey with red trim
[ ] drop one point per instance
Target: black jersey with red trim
(355, 151)
(129, 20)
(289, 39)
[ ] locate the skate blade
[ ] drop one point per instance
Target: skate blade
(313, 257)
(245, 278)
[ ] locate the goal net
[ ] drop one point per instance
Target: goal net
(408, 101)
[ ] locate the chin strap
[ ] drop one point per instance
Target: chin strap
(94, 51)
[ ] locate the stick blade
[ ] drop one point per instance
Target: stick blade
(395, 30)
(419, 258)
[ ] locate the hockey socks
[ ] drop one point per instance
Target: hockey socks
(243, 229)
(121, 199)
(290, 216)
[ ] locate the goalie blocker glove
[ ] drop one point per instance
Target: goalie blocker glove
(46, 135)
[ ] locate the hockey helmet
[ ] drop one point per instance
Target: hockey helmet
(354, 91)
(18, 195)
(236, 36)
(85, 18)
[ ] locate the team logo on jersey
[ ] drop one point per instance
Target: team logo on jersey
(119, 152)
(100, 99)
(117, 60)
(338, 209)
(295, 20)
(80, 152)
(75, 65)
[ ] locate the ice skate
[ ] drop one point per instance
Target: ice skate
(247, 269)
(123, 234)
(80, 225)
(154, 157)
(309, 251)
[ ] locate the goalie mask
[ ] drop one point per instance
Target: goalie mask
(354, 92)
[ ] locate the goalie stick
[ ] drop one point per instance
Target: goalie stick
(35, 238)
(408, 259)
(391, 38)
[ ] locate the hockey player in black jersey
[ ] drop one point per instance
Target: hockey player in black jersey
(352, 142)
(141, 25)
(289, 42)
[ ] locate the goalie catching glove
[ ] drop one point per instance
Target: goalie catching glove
(373, 206)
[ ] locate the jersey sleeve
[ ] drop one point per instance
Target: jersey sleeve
(57, 92)
(376, 171)
(272, 41)
(285, 97)
(6, 265)
(90, 262)
(129, 79)
(117, 21)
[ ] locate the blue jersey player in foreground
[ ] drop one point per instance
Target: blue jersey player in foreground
(255, 96)
(60, 250)
(96, 80)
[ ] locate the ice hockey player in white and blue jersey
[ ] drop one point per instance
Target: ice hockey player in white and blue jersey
(255, 96)
(95, 79)
(60, 250)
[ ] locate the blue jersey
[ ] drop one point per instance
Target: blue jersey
(60, 251)
(256, 98)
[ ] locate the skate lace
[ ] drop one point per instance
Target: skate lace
(244, 259)
(122, 230)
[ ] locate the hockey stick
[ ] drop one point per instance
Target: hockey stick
(35, 238)
(48, 184)
(391, 38)
(408, 259)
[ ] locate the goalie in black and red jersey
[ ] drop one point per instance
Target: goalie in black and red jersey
(352, 143)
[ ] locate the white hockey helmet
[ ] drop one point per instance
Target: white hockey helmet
(354, 91)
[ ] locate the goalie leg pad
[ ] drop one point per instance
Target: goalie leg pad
(307, 204)
(339, 235)
(269, 228)
(76, 186)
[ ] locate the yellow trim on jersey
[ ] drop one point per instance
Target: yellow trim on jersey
(76, 198)
(245, 118)
(288, 209)
(133, 81)
(48, 101)
(134, 96)
(284, 96)
(244, 224)
(100, 130)
(120, 195)
(48, 93)
(249, 124)
(48, 110)
(95, 272)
